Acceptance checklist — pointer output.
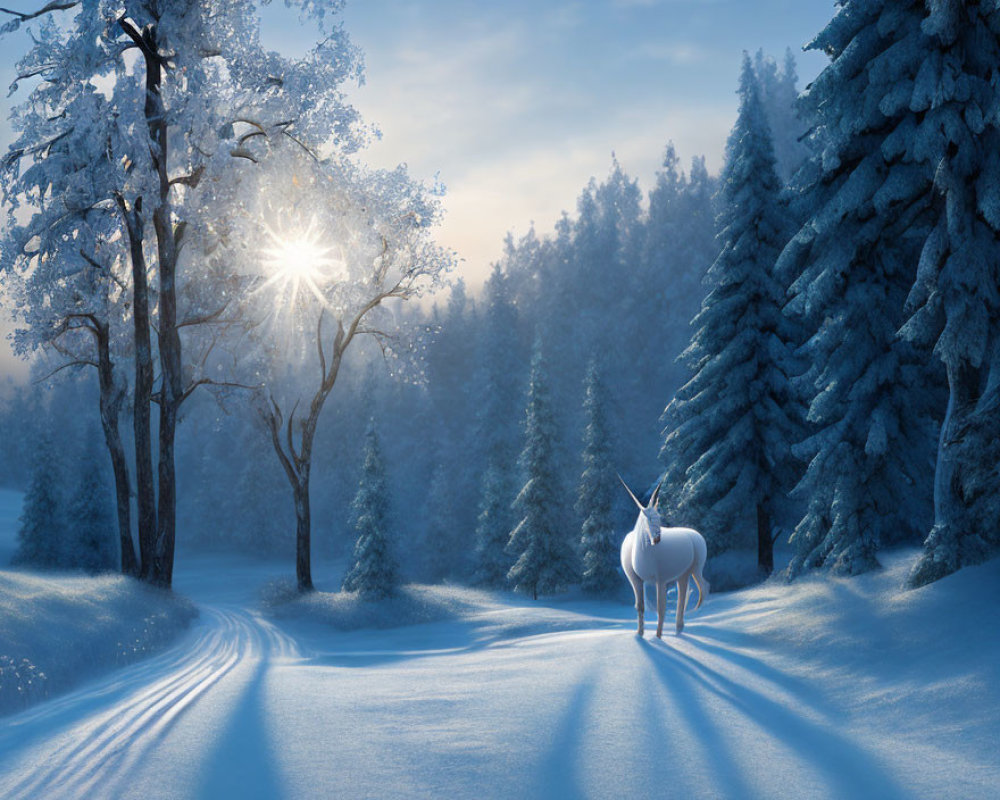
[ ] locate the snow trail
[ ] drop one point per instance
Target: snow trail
(91, 743)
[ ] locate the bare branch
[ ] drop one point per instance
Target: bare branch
(191, 180)
(140, 41)
(319, 347)
(211, 382)
(288, 434)
(273, 418)
(205, 318)
(53, 5)
(80, 362)
(242, 152)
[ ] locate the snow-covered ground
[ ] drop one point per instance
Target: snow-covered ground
(826, 688)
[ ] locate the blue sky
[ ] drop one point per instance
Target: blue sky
(516, 104)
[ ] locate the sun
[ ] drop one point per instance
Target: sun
(298, 261)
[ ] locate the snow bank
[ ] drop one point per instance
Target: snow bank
(58, 630)
(413, 604)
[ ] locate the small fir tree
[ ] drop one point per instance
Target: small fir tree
(374, 574)
(91, 541)
(541, 545)
(601, 572)
(39, 537)
(493, 529)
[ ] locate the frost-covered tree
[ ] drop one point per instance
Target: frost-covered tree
(374, 573)
(90, 524)
(868, 205)
(598, 543)
(542, 544)
(125, 143)
(730, 427)
(40, 535)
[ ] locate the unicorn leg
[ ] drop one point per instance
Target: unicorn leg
(661, 608)
(682, 593)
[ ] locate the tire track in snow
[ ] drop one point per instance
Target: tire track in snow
(103, 744)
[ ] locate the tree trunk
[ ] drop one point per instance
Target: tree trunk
(141, 424)
(303, 532)
(949, 507)
(111, 403)
(171, 380)
(765, 544)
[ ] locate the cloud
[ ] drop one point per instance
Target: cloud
(678, 53)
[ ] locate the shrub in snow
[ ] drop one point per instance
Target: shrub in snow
(541, 544)
(374, 573)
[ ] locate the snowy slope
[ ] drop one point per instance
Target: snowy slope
(59, 629)
(840, 688)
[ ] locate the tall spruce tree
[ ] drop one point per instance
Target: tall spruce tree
(542, 544)
(499, 379)
(868, 207)
(730, 426)
(952, 119)
(598, 543)
(374, 573)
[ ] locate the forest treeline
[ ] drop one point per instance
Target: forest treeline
(802, 349)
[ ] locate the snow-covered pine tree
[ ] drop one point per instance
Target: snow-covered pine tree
(91, 527)
(866, 205)
(500, 379)
(951, 113)
(730, 427)
(598, 543)
(40, 535)
(542, 544)
(374, 573)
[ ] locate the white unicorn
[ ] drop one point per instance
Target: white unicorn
(660, 555)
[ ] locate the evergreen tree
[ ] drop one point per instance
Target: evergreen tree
(867, 207)
(91, 528)
(499, 377)
(374, 574)
(493, 527)
(40, 535)
(444, 542)
(779, 95)
(599, 545)
(730, 426)
(953, 116)
(541, 543)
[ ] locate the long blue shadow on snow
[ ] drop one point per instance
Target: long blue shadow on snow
(849, 770)
(803, 692)
(243, 764)
(559, 771)
(699, 726)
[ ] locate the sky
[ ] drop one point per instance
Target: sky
(514, 106)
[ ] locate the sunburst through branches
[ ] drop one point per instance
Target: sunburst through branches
(298, 263)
